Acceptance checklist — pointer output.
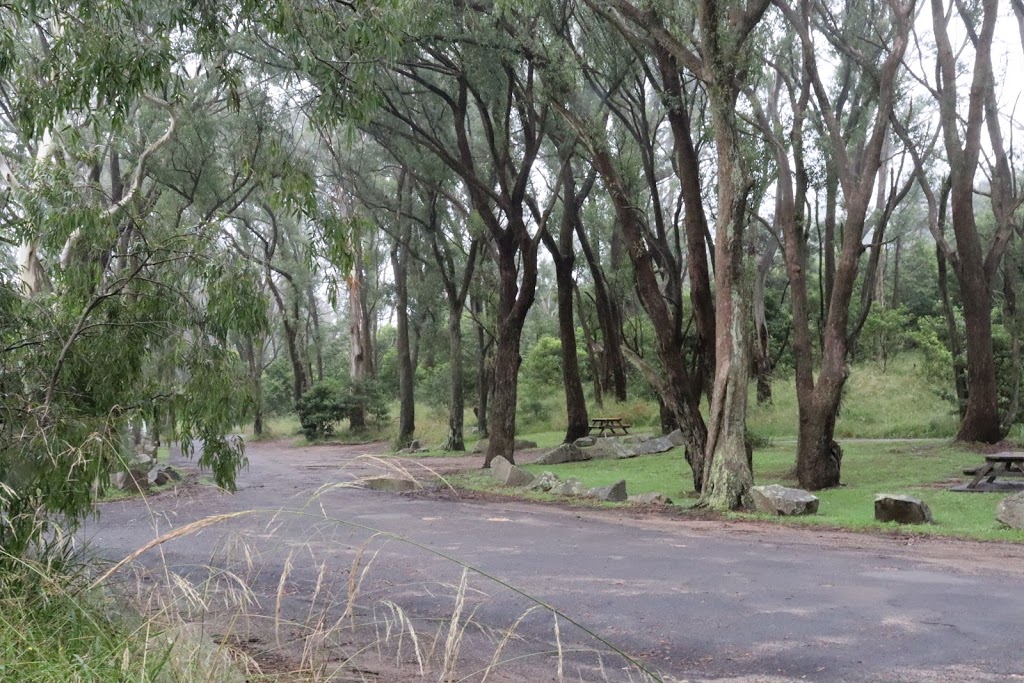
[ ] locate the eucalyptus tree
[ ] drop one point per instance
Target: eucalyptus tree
(563, 254)
(966, 122)
(854, 125)
(124, 297)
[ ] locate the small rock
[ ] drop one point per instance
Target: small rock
(653, 498)
(135, 479)
(481, 446)
(523, 444)
(392, 484)
(545, 482)
(616, 493)
(406, 451)
(567, 452)
(901, 509)
(1011, 511)
(507, 474)
(779, 500)
(585, 441)
(569, 487)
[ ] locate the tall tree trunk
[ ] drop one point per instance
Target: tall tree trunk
(359, 353)
(484, 373)
(981, 420)
(588, 340)
(318, 342)
(514, 300)
(975, 270)
(952, 333)
(609, 319)
(455, 441)
(695, 222)
(564, 257)
(578, 421)
(300, 381)
(406, 374)
(728, 477)
(762, 348)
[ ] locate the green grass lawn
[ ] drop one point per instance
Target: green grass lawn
(925, 470)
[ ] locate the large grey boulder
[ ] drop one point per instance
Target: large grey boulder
(567, 452)
(481, 446)
(507, 474)
(653, 498)
(779, 500)
(659, 444)
(616, 493)
(677, 438)
(1010, 511)
(585, 441)
(630, 446)
(569, 487)
(392, 484)
(607, 448)
(901, 509)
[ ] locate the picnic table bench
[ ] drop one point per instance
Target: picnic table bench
(996, 466)
(611, 425)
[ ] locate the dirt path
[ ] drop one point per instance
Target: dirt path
(693, 600)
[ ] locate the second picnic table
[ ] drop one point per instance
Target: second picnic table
(612, 425)
(998, 465)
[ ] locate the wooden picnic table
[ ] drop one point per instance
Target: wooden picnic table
(998, 465)
(612, 425)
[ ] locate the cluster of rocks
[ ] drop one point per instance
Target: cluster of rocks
(507, 474)
(140, 476)
(779, 500)
(621, 447)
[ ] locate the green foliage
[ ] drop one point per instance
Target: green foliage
(54, 631)
(328, 403)
(320, 408)
(543, 364)
(886, 332)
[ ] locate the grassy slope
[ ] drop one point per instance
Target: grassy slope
(896, 403)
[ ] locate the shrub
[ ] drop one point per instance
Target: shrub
(369, 396)
(320, 408)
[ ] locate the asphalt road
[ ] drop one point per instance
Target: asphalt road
(689, 600)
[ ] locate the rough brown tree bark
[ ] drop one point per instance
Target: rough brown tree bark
(564, 257)
(974, 265)
(406, 373)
